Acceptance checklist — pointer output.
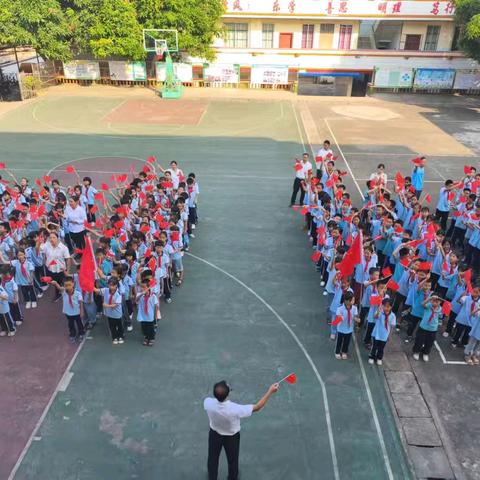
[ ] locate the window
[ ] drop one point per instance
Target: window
(345, 37)
(456, 37)
(307, 36)
(267, 35)
(431, 39)
(327, 28)
(237, 35)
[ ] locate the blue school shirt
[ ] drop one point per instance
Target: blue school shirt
(37, 259)
(398, 272)
(464, 316)
(4, 306)
(11, 288)
(417, 306)
(447, 279)
(344, 326)
(76, 298)
(127, 285)
(430, 318)
(456, 305)
(89, 194)
(383, 326)
(20, 278)
(418, 175)
(443, 205)
(112, 312)
(367, 293)
(147, 315)
(475, 331)
(337, 297)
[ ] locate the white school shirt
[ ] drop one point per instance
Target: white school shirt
(323, 153)
(59, 253)
(77, 215)
(302, 174)
(175, 176)
(225, 416)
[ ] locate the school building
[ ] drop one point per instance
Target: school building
(338, 47)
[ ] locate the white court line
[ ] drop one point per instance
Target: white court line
(390, 181)
(411, 155)
(116, 107)
(298, 127)
(437, 172)
(300, 345)
(61, 383)
(360, 361)
(444, 358)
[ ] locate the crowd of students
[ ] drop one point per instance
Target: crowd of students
(394, 263)
(136, 228)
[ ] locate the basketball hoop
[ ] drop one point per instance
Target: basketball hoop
(161, 48)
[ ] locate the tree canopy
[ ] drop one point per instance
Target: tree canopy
(61, 29)
(467, 17)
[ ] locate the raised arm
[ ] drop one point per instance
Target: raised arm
(263, 401)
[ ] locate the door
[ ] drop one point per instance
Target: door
(286, 40)
(412, 42)
(326, 35)
(345, 37)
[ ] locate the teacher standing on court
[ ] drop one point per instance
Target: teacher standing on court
(301, 173)
(224, 417)
(76, 216)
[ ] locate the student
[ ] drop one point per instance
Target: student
(112, 309)
(385, 320)
(148, 313)
(24, 278)
(7, 324)
(421, 291)
(72, 308)
(427, 329)
(341, 287)
(372, 310)
(472, 349)
(11, 287)
(418, 175)
(443, 204)
(470, 302)
(347, 315)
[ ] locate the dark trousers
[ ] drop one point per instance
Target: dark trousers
(424, 341)
(6, 322)
(343, 341)
(192, 215)
(458, 235)
(377, 349)
(167, 289)
(15, 312)
(461, 334)
(78, 239)
(434, 280)
(58, 277)
(28, 293)
(413, 321)
(116, 327)
(231, 444)
(398, 302)
(90, 216)
(297, 185)
(418, 193)
(148, 330)
(75, 326)
(451, 322)
(442, 217)
(38, 274)
(367, 339)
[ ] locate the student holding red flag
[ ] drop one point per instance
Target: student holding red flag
(347, 316)
(425, 337)
(385, 320)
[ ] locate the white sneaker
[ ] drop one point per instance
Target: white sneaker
(332, 336)
(322, 283)
(18, 323)
(34, 304)
(338, 356)
(121, 340)
(192, 235)
(379, 363)
(325, 293)
(40, 295)
(445, 335)
(28, 305)
(168, 300)
(129, 328)
(371, 361)
(193, 226)
(115, 342)
(425, 358)
(416, 356)
(12, 333)
(45, 287)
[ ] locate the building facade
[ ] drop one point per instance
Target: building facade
(344, 38)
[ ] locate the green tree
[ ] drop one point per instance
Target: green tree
(467, 17)
(197, 21)
(105, 28)
(40, 24)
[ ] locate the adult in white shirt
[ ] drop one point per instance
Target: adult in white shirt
(380, 177)
(325, 153)
(224, 417)
(76, 216)
(57, 259)
(300, 175)
(176, 173)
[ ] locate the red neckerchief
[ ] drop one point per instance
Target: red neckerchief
(23, 269)
(452, 269)
(110, 298)
(473, 305)
(386, 322)
(366, 266)
(374, 286)
(349, 316)
(431, 316)
(146, 298)
(70, 299)
(159, 261)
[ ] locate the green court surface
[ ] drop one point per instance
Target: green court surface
(250, 311)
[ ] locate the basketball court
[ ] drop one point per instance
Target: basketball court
(250, 309)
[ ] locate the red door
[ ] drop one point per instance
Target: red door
(286, 40)
(412, 42)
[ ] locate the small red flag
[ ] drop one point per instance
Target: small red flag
(151, 159)
(146, 169)
(298, 167)
(338, 320)
(86, 274)
(428, 199)
(468, 276)
(46, 279)
(375, 300)
(446, 308)
(467, 169)
(387, 272)
(105, 186)
(291, 379)
(175, 236)
(316, 256)
(52, 263)
(425, 266)
(3, 165)
(304, 210)
(318, 159)
(70, 169)
(152, 264)
(393, 285)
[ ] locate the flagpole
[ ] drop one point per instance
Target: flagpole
(284, 378)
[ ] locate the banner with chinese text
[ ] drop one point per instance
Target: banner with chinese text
(269, 74)
(467, 80)
(434, 78)
(393, 77)
(183, 71)
(221, 73)
(128, 70)
(81, 70)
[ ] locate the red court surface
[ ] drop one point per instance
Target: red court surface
(158, 112)
(32, 364)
